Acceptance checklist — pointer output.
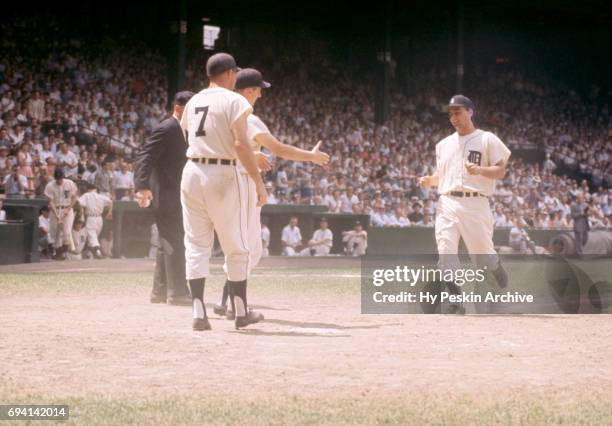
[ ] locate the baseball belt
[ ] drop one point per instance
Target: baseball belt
(221, 161)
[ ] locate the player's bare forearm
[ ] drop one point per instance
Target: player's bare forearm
(493, 172)
(289, 152)
(497, 171)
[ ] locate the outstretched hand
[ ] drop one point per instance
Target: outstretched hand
(318, 157)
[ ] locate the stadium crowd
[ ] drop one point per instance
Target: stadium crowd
(63, 108)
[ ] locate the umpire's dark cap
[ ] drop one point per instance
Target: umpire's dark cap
(58, 174)
(181, 98)
(461, 101)
(219, 63)
(250, 77)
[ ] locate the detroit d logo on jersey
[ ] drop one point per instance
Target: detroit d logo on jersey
(474, 157)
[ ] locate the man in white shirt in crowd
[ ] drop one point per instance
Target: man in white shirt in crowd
(15, 184)
(355, 241)
(347, 201)
(291, 238)
(377, 216)
(105, 179)
(67, 161)
(427, 221)
(282, 183)
(4, 161)
(271, 197)
(123, 181)
(321, 242)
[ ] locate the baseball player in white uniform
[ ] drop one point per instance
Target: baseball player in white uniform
(62, 194)
(468, 164)
(249, 84)
(94, 205)
(321, 242)
(213, 195)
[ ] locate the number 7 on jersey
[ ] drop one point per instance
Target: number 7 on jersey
(201, 131)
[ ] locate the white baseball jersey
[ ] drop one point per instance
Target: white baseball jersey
(208, 119)
(321, 235)
(255, 127)
(68, 158)
(291, 236)
(94, 203)
(452, 153)
(60, 196)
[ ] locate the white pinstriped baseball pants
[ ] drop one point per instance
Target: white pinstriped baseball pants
(470, 219)
(214, 199)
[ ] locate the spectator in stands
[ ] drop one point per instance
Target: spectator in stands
(5, 140)
(321, 242)
(427, 221)
(291, 239)
(15, 184)
(67, 161)
(123, 182)
(417, 215)
(36, 107)
(105, 179)
(4, 161)
(355, 241)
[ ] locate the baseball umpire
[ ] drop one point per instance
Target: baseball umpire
(213, 194)
(249, 84)
(157, 178)
(468, 163)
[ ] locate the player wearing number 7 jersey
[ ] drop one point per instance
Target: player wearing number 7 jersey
(215, 125)
(249, 84)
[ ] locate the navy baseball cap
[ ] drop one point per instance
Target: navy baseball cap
(181, 98)
(219, 63)
(461, 101)
(250, 77)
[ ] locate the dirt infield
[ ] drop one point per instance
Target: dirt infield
(314, 342)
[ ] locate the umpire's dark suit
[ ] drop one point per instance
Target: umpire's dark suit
(159, 166)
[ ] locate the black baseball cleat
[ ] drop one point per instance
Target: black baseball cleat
(251, 317)
(201, 324)
(220, 310)
(501, 276)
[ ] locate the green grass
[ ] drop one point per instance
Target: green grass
(519, 409)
